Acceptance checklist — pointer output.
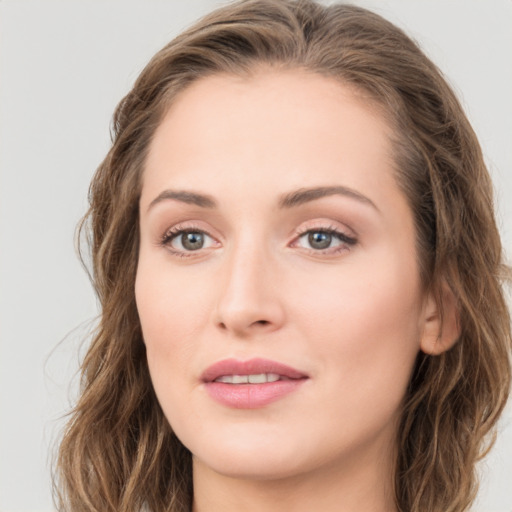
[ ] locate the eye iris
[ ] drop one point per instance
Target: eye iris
(192, 241)
(319, 239)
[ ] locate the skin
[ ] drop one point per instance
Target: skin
(353, 316)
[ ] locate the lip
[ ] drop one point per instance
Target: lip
(252, 366)
(251, 396)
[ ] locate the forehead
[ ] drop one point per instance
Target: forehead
(271, 125)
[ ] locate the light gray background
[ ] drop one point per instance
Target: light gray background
(63, 67)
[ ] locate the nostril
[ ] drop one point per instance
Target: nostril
(262, 322)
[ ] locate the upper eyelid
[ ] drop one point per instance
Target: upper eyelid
(342, 237)
(326, 225)
(184, 227)
(323, 229)
(331, 230)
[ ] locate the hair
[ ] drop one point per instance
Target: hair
(118, 452)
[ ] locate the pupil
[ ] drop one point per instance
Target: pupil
(319, 240)
(192, 241)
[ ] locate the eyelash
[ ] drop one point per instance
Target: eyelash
(346, 241)
(177, 231)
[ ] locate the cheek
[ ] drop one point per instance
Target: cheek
(365, 322)
(168, 324)
(171, 311)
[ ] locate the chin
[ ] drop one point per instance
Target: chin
(256, 467)
(245, 457)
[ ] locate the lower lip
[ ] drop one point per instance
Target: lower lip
(251, 396)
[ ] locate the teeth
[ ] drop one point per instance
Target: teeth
(259, 378)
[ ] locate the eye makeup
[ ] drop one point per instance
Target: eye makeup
(318, 238)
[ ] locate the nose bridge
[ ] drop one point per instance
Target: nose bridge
(248, 299)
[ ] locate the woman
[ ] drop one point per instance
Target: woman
(299, 270)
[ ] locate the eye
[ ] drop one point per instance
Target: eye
(187, 240)
(319, 239)
(325, 239)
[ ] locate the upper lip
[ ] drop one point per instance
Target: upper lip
(250, 367)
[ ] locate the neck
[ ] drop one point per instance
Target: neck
(363, 485)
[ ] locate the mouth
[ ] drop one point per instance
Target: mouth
(253, 371)
(257, 378)
(251, 384)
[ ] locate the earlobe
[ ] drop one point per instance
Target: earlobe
(441, 327)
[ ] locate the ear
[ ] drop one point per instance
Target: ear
(441, 324)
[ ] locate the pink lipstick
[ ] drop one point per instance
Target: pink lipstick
(250, 384)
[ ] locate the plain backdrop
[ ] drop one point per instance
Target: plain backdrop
(63, 67)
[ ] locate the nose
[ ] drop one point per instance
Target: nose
(250, 296)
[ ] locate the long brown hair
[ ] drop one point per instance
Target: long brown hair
(118, 452)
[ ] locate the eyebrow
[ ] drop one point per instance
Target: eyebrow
(185, 196)
(305, 195)
(290, 200)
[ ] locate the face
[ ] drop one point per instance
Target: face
(277, 284)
